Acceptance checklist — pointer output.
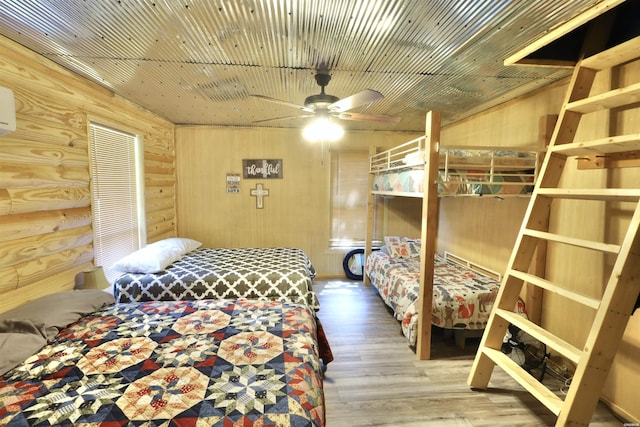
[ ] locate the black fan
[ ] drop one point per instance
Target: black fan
(324, 105)
(526, 351)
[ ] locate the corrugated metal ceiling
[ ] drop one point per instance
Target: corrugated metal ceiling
(198, 61)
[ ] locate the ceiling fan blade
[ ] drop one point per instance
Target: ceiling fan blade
(355, 100)
(368, 117)
(281, 102)
(281, 118)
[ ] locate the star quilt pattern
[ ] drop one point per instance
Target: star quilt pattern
(181, 363)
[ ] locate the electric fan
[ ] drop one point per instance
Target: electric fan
(528, 352)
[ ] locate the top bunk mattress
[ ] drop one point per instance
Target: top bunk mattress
(461, 171)
(276, 274)
(454, 183)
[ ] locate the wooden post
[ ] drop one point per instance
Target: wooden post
(429, 233)
(371, 205)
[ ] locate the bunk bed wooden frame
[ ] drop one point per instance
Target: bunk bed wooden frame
(426, 152)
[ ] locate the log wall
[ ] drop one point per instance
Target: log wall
(45, 201)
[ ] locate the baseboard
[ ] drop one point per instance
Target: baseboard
(619, 412)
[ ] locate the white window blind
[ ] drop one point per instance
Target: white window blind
(349, 190)
(115, 195)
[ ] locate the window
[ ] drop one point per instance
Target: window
(349, 191)
(117, 196)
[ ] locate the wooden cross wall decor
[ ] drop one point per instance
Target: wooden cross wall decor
(259, 192)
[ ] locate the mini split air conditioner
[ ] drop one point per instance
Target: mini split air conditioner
(7, 111)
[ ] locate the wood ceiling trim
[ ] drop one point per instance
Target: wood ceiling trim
(520, 57)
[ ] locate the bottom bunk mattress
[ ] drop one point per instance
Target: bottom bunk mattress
(462, 298)
(279, 274)
(182, 363)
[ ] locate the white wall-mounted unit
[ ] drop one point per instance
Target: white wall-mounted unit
(7, 111)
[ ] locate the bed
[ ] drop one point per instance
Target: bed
(196, 362)
(462, 171)
(425, 168)
(462, 296)
(279, 274)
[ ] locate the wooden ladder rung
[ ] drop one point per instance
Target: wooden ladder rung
(561, 346)
(533, 386)
(611, 99)
(603, 194)
(593, 303)
(588, 244)
(608, 145)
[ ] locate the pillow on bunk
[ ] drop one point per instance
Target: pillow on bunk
(400, 248)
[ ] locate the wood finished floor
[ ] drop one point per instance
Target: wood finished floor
(376, 379)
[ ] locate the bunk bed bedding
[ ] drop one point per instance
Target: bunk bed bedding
(457, 183)
(462, 298)
(280, 274)
(461, 172)
(198, 362)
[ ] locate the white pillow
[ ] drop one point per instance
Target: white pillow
(181, 244)
(150, 259)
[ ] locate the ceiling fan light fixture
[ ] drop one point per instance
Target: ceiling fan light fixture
(322, 129)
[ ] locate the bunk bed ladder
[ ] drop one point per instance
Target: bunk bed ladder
(621, 289)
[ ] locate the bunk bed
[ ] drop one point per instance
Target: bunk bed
(463, 292)
(87, 361)
(462, 171)
(425, 169)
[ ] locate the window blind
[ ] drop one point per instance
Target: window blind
(349, 190)
(115, 195)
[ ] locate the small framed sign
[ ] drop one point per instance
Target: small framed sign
(233, 183)
(262, 168)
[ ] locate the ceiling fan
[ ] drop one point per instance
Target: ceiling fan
(325, 105)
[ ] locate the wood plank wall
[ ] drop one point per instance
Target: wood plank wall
(296, 211)
(45, 205)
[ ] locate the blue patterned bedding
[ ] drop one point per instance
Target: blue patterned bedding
(181, 363)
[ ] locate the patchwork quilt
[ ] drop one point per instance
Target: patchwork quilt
(268, 274)
(186, 363)
(462, 298)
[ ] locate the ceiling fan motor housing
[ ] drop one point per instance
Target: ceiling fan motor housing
(320, 101)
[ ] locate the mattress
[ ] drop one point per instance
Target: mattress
(462, 172)
(266, 274)
(180, 363)
(457, 182)
(462, 298)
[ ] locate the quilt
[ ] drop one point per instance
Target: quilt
(278, 274)
(180, 363)
(462, 298)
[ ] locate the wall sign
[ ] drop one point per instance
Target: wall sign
(233, 183)
(261, 168)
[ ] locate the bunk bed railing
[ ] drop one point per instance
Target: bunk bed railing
(477, 166)
(455, 259)
(409, 154)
